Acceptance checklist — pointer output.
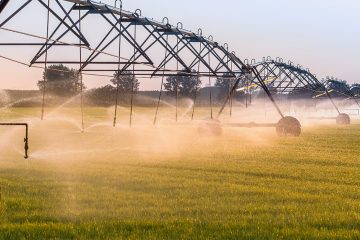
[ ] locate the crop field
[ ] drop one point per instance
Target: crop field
(169, 182)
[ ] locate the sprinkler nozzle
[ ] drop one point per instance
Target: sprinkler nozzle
(26, 147)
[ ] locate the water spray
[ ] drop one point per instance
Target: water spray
(152, 32)
(26, 139)
(287, 125)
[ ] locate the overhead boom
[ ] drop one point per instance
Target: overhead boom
(3, 4)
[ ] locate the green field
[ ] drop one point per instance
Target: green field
(167, 182)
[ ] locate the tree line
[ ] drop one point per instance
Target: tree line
(65, 82)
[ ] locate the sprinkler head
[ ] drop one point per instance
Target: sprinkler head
(343, 119)
(210, 127)
(288, 126)
(26, 148)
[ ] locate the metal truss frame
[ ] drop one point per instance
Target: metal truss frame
(195, 46)
(187, 53)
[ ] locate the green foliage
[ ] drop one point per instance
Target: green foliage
(225, 84)
(102, 96)
(105, 96)
(61, 80)
(183, 86)
(126, 82)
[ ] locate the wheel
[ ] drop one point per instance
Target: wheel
(343, 119)
(210, 127)
(288, 126)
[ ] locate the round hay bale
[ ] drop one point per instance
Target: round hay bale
(343, 119)
(288, 126)
(210, 127)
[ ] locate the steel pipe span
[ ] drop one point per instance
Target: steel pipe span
(162, 50)
(187, 50)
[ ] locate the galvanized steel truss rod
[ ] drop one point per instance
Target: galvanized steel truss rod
(314, 88)
(348, 94)
(132, 85)
(266, 72)
(154, 30)
(290, 74)
(177, 87)
(62, 22)
(3, 4)
(289, 78)
(96, 52)
(135, 57)
(292, 71)
(210, 92)
(256, 73)
(228, 97)
(196, 88)
(81, 81)
(311, 76)
(93, 9)
(306, 76)
(77, 33)
(125, 33)
(46, 58)
(159, 38)
(14, 13)
(56, 42)
(186, 45)
(281, 70)
(186, 41)
(82, 39)
(118, 70)
(271, 71)
(47, 46)
(160, 95)
(231, 97)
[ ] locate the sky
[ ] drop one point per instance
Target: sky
(322, 35)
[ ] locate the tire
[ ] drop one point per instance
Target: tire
(288, 126)
(343, 119)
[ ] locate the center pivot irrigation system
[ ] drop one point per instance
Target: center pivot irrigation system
(107, 39)
(288, 79)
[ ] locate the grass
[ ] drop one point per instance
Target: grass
(170, 183)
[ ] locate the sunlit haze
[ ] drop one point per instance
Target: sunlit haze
(322, 35)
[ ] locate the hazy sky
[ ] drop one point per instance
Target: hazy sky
(323, 35)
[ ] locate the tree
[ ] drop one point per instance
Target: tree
(184, 86)
(103, 96)
(224, 82)
(61, 80)
(126, 81)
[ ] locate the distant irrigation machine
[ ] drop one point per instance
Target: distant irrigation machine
(296, 81)
(131, 44)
